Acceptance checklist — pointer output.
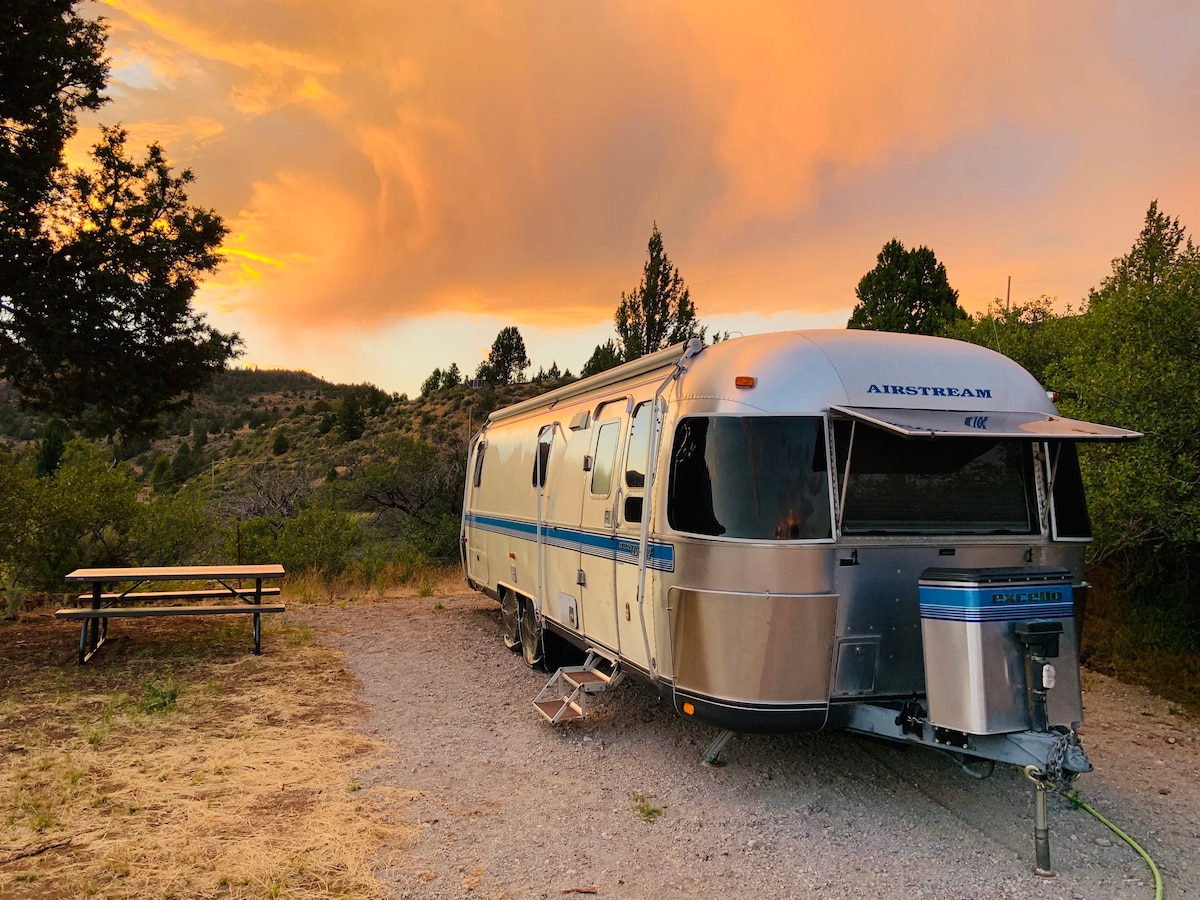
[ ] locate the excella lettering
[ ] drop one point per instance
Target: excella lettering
(1028, 597)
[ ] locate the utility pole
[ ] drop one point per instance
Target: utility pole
(1008, 296)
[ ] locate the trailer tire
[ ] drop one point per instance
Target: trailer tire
(531, 634)
(510, 619)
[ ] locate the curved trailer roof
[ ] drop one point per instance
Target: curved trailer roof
(912, 385)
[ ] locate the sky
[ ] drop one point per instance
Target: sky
(404, 178)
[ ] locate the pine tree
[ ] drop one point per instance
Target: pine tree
(907, 291)
(659, 312)
(508, 360)
(98, 266)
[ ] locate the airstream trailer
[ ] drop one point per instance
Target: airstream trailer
(800, 531)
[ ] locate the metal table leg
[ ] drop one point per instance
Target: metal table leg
(257, 617)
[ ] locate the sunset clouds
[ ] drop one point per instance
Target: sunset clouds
(385, 166)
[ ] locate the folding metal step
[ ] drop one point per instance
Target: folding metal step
(564, 696)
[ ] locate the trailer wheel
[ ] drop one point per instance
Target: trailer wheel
(531, 634)
(510, 620)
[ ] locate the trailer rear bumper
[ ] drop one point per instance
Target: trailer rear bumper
(742, 716)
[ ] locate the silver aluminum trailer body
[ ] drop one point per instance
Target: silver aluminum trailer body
(758, 528)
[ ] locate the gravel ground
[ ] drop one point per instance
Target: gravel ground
(511, 807)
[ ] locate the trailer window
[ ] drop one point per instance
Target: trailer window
(639, 446)
(541, 461)
(1070, 511)
(967, 485)
(751, 477)
(482, 446)
(606, 458)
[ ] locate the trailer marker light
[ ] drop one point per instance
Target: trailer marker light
(1053, 396)
(745, 381)
(688, 709)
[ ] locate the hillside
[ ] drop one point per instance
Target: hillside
(237, 422)
(264, 466)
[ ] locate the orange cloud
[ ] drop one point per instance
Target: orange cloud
(378, 162)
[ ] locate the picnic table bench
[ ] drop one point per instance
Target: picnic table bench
(102, 604)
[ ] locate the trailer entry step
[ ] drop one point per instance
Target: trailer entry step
(563, 699)
(559, 710)
(586, 676)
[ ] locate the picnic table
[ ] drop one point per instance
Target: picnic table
(129, 601)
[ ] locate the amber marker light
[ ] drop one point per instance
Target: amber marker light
(745, 381)
(689, 709)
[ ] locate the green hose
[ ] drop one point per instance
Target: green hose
(1158, 889)
(1034, 774)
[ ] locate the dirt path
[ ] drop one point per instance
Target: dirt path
(511, 807)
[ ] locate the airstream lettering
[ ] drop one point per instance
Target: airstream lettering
(913, 390)
(800, 531)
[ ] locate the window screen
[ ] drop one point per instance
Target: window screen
(968, 485)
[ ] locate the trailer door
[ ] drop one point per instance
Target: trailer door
(628, 533)
(597, 557)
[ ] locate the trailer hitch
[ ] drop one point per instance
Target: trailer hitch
(1065, 762)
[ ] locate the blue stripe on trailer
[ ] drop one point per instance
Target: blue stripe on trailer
(1012, 613)
(620, 549)
(999, 603)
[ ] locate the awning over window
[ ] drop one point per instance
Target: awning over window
(1037, 426)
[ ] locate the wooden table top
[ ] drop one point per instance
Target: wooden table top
(176, 573)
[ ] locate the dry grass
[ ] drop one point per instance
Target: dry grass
(395, 581)
(178, 764)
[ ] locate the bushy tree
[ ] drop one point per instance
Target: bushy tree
(484, 373)
(1135, 362)
(658, 313)
(432, 384)
(414, 489)
(507, 360)
(374, 400)
(1030, 333)
(97, 267)
(162, 476)
(52, 66)
(84, 515)
(606, 356)
(907, 291)
(351, 419)
(319, 539)
(21, 522)
(52, 447)
(175, 529)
